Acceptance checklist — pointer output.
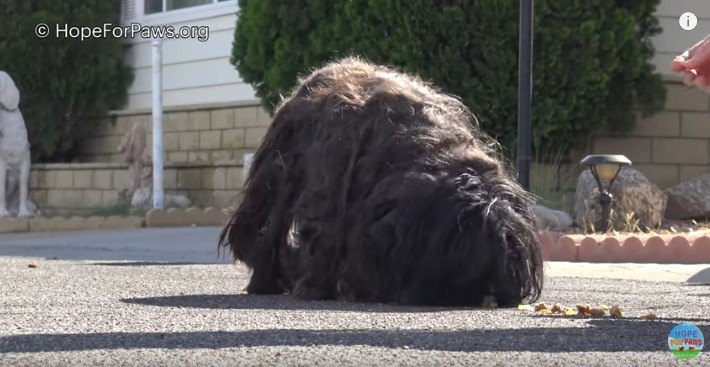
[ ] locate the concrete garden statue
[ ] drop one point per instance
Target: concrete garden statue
(14, 153)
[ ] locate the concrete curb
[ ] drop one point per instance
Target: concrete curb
(57, 224)
(62, 224)
(13, 225)
(173, 217)
(686, 248)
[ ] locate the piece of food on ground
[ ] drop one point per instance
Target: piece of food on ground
(615, 311)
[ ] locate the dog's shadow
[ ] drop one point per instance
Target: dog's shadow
(603, 335)
(273, 302)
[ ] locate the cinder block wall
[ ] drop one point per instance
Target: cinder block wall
(672, 146)
(205, 133)
(84, 187)
(668, 148)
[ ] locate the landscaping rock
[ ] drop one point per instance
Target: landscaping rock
(143, 199)
(689, 199)
(551, 219)
(638, 203)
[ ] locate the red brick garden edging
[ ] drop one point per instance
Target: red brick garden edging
(687, 248)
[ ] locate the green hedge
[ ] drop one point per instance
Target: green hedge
(64, 82)
(591, 62)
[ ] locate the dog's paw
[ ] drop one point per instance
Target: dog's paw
(4, 213)
(489, 301)
(271, 288)
(309, 292)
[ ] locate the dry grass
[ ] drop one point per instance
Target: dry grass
(630, 225)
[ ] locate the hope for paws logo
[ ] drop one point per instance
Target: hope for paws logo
(686, 341)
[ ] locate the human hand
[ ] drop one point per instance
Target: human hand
(695, 65)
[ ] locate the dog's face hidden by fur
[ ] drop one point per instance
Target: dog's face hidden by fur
(371, 185)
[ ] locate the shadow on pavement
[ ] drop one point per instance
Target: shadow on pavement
(273, 302)
(604, 335)
(701, 277)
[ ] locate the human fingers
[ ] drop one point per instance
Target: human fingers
(698, 56)
(677, 64)
(689, 77)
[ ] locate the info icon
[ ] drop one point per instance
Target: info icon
(688, 21)
(686, 341)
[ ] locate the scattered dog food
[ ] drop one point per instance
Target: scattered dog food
(526, 308)
(558, 308)
(582, 310)
(615, 311)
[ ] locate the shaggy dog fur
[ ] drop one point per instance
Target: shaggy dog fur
(371, 185)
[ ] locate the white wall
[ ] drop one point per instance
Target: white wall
(674, 39)
(194, 72)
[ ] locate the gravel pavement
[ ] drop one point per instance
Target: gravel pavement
(147, 313)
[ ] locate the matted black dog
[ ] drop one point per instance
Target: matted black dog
(371, 185)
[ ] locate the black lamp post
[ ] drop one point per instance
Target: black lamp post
(525, 64)
(605, 168)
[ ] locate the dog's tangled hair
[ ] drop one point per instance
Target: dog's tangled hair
(371, 185)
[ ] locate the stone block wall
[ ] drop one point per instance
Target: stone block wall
(205, 145)
(85, 187)
(672, 146)
(205, 133)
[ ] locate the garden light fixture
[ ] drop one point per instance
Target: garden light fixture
(605, 168)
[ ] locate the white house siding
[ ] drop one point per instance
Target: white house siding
(674, 39)
(194, 72)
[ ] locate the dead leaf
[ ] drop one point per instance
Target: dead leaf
(649, 316)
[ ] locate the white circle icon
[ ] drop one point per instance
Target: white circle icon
(688, 21)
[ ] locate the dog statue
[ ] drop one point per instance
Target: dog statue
(14, 153)
(370, 185)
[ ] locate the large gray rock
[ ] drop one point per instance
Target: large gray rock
(689, 199)
(637, 204)
(551, 219)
